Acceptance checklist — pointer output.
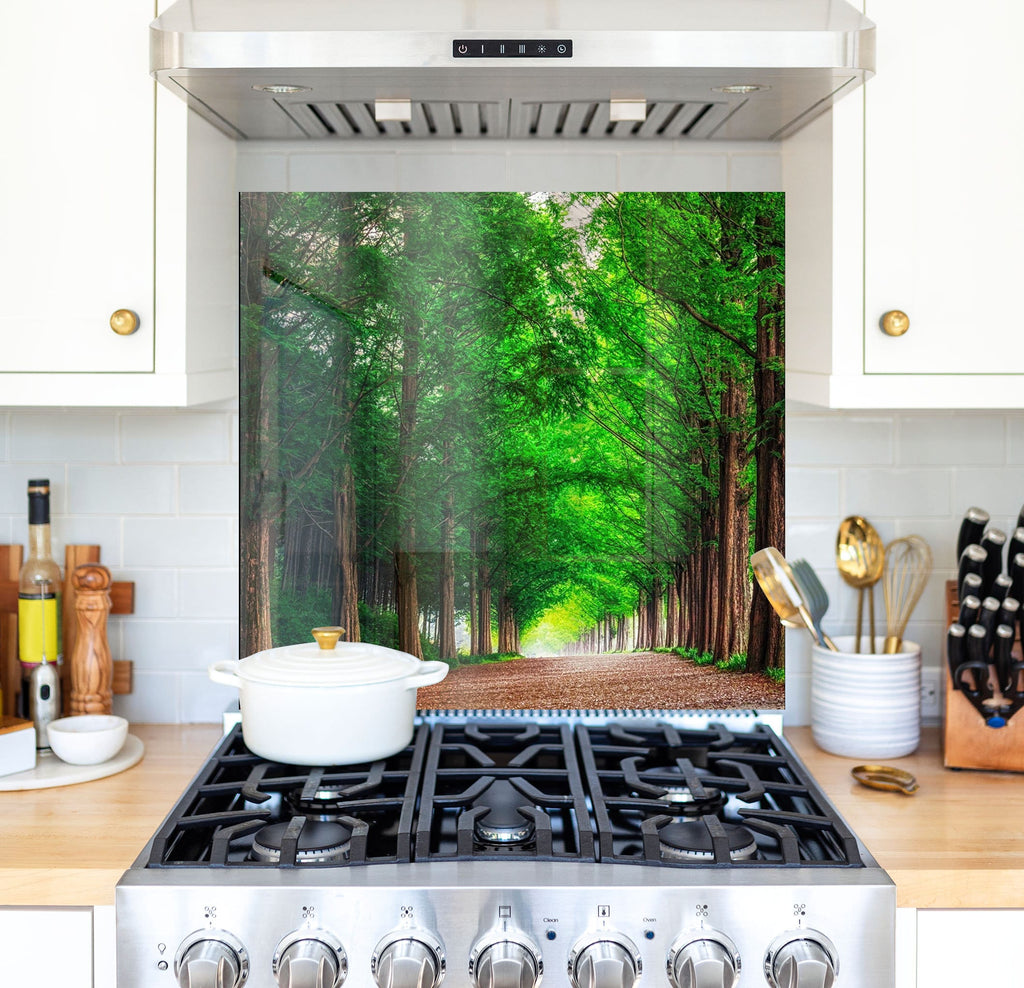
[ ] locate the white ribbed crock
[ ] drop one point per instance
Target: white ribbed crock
(303, 705)
(863, 705)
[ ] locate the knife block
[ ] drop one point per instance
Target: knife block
(967, 741)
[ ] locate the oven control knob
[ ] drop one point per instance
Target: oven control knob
(607, 961)
(707, 960)
(211, 959)
(408, 960)
(510, 960)
(801, 959)
(310, 959)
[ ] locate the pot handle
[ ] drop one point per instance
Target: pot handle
(432, 672)
(224, 673)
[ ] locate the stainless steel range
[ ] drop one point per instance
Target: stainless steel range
(497, 850)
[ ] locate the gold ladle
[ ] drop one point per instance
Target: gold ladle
(860, 559)
(775, 579)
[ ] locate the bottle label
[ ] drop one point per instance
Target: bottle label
(38, 629)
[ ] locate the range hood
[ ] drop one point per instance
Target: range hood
(496, 69)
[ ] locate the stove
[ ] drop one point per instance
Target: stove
(497, 850)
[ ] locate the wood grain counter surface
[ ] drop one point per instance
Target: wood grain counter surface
(957, 843)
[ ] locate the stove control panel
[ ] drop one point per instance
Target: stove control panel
(464, 936)
(801, 959)
(709, 960)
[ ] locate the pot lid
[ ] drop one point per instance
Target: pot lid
(333, 664)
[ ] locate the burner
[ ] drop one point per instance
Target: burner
(684, 803)
(502, 823)
(692, 842)
(318, 842)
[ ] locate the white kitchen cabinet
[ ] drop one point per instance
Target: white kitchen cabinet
(968, 947)
(903, 198)
(114, 197)
(46, 947)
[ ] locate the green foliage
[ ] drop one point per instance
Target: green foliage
(704, 659)
(777, 674)
(735, 663)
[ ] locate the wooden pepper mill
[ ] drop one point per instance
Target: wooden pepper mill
(92, 669)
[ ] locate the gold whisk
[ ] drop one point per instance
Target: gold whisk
(908, 563)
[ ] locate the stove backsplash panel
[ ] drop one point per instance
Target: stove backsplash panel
(534, 435)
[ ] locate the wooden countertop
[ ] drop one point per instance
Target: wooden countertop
(959, 842)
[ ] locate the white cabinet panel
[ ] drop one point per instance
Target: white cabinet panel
(46, 947)
(969, 947)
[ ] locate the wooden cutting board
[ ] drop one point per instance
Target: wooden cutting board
(50, 771)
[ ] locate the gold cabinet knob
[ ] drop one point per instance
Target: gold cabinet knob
(327, 638)
(895, 323)
(124, 322)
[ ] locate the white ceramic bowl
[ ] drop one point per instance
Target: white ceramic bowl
(87, 739)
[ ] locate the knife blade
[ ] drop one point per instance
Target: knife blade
(973, 524)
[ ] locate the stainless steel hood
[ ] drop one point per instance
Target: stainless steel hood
(494, 69)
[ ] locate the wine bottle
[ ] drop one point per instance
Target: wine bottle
(39, 589)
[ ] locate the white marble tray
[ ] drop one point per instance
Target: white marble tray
(50, 771)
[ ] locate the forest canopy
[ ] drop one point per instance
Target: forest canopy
(540, 424)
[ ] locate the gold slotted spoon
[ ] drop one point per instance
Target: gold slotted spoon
(860, 559)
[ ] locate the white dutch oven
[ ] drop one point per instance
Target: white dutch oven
(329, 703)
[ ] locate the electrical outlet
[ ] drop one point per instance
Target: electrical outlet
(931, 701)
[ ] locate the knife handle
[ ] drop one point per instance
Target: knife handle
(993, 542)
(1001, 660)
(971, 528)
(1016, 545)
(977, 644)
(955, 650)
(970, 607)
(972, 560)
(1000, 586)
(1017, 575)
(1008, 612)
(988, 618)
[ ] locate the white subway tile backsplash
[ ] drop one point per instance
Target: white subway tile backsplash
(155, 698)
(178, 542)
(209, 593)
(999, 490)
(342, 173)
(156, 592)
(811, 440)
(897, 493)
(1015, 439)
(755, 172)
(477, 172)
(209, 490)
(85, 437)
(158, 645)
(952, 440)
(122, 490)
(565, 172)
(666, 172)
(203, 701)
(811, 492)
(812, 540)
(14, 478)
(187, 436)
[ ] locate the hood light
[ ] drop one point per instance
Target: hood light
(282, 90)
(740, 89)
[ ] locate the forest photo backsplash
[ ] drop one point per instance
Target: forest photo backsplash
(536, 436)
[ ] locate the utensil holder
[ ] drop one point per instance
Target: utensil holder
(866, 706)
(968, 742)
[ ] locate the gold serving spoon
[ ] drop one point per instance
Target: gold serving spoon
(860, 559)
(775, 579)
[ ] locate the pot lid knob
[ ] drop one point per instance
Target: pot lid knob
(327, 638)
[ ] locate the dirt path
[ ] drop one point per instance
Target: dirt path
(632, 680)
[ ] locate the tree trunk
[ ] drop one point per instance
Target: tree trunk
(446, 614)
(406, 596)
(508, 632)
(346, 580)
(765, 645)
(485, 643)
(260, 495)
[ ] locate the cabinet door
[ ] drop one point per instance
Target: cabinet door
(944, 155)
(954, 947)
(76, 202)
(46, 948)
